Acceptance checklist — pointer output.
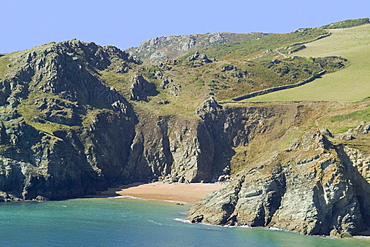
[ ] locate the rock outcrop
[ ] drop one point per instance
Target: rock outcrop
(141, 88)
(198, 60)
(312, 188)
(64, 132)
(168, 48)
(172, 149)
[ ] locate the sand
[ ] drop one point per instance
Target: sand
(176, 192)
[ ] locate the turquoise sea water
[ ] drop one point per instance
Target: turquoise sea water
(127, 222)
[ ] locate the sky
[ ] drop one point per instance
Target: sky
(25, 24)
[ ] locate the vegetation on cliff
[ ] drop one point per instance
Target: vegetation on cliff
(77, 118)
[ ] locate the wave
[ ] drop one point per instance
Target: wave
(178, 202)
(138, 198)
(274, 229)
(125, 197)
(183, 221)
(154, 222)
(228, 226)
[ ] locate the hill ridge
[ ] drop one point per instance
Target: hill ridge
(160, 49)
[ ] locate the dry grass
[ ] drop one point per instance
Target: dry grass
(4, 63)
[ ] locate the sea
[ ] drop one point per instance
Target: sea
(133, 222)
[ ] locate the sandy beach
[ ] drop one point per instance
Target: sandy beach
(177, 192)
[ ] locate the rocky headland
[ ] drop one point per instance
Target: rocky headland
(77, 118)
(315, 187)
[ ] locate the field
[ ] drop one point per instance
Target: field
(349, 84)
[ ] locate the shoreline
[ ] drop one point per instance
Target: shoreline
(180, 193)
(169, 192)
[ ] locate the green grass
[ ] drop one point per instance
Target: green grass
(29, 111)
(362, 115)
(199, 83)
(349, 84)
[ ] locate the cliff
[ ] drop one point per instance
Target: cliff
(312, 188)
(77, 118)
(55, 140)
(66, 133)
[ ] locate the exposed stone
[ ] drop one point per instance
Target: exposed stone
(326, 132)
(165, 83)
(141, 88)
(205, 59)
(228, 68)
(194, 57)
(168, 48)
(198, 59)
(57, 111)
(163, 102)
(165, 66)
(317, 196)
(175, 89)
(124, 68)
(210, 106)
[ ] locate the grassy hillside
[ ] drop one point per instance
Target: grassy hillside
(241, 68)
(189, 85)
(264, 47)
(350, 84)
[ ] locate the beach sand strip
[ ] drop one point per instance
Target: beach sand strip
(176, 192)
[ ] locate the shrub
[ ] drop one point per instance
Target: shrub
(347, 23)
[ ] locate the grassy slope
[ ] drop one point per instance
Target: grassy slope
(199, 83)
(350, 84)
(252, 49)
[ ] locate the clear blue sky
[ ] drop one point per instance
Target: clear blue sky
(25, 23)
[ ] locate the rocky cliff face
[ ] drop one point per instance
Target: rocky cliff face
(312, 188)
(58, 140)
(65, 133)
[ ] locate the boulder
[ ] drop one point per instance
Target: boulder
(210, 106)
(141, 89)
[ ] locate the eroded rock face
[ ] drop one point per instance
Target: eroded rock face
(141, 88)
(180, 149)
(208, 107)
(174, 150)
(53, 145)
(67, 164)
(312, 188)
